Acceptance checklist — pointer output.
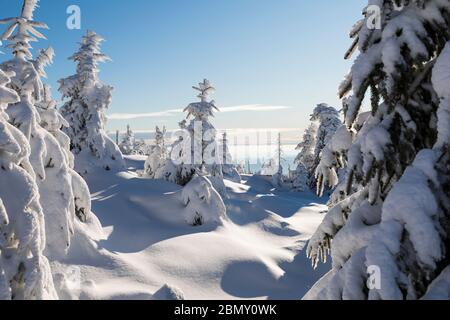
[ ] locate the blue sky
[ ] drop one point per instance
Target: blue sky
(286, 53)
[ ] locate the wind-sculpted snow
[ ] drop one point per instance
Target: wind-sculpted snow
(257, 252)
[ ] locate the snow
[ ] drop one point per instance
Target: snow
(148, 251)
(24, 270)
(410, 206)
(441, 84)
(169, 293)
(440, 288)
(203, 203)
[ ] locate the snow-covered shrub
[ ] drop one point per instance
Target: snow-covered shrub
(203, 203)
(154, 165)
(24, 270)
(394, 212)
(88, 100)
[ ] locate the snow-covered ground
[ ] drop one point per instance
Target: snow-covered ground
(257, 253)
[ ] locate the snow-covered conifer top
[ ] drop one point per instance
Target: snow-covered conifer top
(26, 31)
(202, 110)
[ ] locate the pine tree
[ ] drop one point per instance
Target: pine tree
(394, 213)
(85, 110)
(24, 270)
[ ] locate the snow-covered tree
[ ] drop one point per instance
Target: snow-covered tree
(174, 168)
(24, 270)
(305, 159)
(88, 100)
(325, 121)
(333, 161)
(128, 142)
(203, 203)
(63, 194)
(154, 165)
(300, 181)
(240, 168)
(328, 121)
(195, 152)
(269, 167)
(228, 168)
(394, 214)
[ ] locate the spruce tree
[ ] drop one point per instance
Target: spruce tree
(196, 150)
(88, 100)
(24, 270)
(325, 120)
(63, 195)
(305, 159)
(394, 213)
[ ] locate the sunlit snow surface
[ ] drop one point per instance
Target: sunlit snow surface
(258, 253)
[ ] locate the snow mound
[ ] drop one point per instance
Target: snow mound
(203, 203)
(169, 293)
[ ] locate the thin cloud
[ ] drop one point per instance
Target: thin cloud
(253, 108)
(174, 112)
(130, 116)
